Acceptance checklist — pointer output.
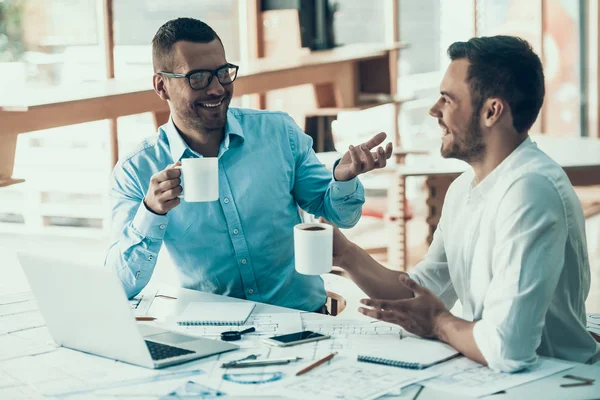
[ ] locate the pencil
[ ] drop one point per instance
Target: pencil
(315, 364)
(416, 396)
(145, 318)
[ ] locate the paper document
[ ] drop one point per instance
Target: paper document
(13, 346)
(225, 313)
(350, 381)
(337, 327)
(265, 325)
(469, 378)
(130, 382)
(193, 390)
(410, 352)
(142, 302)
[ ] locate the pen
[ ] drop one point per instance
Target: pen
(259, 363)
(418, 392)
(316, 364)
(145, 318)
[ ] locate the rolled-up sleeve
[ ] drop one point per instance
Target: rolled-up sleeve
(315, 189)
(531, 233)
(433, 272)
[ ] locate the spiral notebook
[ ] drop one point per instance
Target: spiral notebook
(230, 313)
(410, 352)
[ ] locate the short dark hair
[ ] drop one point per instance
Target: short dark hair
(505, 67)
(173, 31)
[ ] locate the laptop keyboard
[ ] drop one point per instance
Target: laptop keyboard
(159, 351)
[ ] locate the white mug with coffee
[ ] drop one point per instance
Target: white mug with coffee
(199, 179)
(313, 248)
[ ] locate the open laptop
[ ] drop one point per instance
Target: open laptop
(86, 309)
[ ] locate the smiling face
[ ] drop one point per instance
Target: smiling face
(203, 110)
(458, 119)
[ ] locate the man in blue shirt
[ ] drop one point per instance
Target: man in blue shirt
(242, 244)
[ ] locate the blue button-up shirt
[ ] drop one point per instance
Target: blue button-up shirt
(241, 245)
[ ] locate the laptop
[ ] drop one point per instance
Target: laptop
(86, 309)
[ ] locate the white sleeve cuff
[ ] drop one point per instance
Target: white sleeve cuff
(148, 224)
(494, 349)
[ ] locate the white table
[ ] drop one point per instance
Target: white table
(548, 388)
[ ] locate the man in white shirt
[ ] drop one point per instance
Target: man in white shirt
(510, 244)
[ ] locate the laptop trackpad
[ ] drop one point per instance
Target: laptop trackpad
(171, 338)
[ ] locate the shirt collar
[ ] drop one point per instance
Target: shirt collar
(482, 188)
(234, 135)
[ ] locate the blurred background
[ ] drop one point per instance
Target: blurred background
(52, 46)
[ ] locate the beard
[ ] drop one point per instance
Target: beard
(205, 119)
(470, 146)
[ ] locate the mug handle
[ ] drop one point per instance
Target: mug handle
(180, 167)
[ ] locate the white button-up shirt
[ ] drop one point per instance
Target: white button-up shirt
(512, 249)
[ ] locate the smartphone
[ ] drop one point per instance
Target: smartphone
(295, 338)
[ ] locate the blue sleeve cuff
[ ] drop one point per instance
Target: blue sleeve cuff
(148, 224)
(341, 189)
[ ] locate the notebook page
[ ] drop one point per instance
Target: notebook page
(408, 350)
(216, 313)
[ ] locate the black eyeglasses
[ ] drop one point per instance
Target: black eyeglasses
(201, 78)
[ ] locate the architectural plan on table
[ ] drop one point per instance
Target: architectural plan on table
(469, 378)
(351, 382)
(265, 325)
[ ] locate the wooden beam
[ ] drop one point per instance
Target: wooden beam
(11, 181)
(93, 101)
(80, 111)
(109, 54)
(7, 157)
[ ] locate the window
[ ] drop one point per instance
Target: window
(42, 50)
(552, 28)
(359, 21)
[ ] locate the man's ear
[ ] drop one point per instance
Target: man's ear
(492, 110)
(160, 86)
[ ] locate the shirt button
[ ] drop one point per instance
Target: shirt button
(150, 258)
(250, 291)
(244, 261)
(226, 200)
(235, 231)
(162, 226)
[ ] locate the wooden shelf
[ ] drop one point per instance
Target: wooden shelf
(10, 181)
(364, 102)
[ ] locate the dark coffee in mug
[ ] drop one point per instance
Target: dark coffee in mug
(313, 228)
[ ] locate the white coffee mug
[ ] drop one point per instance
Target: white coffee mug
(199, 179)
(313, 248)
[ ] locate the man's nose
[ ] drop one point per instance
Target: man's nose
(435, 112)
(215, 88)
